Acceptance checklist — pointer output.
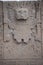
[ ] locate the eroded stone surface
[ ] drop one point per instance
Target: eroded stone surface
(22, 42)
(22, 37)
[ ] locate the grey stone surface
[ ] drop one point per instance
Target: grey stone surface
(21, 41)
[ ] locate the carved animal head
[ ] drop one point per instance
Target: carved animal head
(21, 13)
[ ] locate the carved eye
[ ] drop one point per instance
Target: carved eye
(25, 11)
(19, 11)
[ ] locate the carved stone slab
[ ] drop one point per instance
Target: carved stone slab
(22, 31)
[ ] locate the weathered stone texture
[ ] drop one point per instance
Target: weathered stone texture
(22, 37)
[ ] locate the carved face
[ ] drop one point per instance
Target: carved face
(21, 13)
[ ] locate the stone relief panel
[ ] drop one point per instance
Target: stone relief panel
(22, 30)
